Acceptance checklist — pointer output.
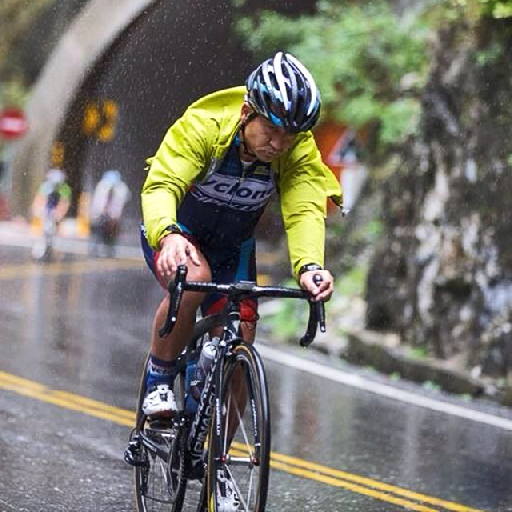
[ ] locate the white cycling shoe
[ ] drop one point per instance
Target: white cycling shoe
(159, 401)
(227, 496)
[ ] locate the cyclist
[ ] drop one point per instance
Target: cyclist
(50, 205)
(108, 201)
(53, 196)
(208, 185)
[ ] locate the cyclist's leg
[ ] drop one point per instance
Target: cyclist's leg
(164, 351)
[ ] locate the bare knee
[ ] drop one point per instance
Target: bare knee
(199, 273)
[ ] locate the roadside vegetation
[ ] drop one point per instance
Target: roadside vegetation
(375, 64)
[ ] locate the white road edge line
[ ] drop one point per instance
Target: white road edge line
(357, 381)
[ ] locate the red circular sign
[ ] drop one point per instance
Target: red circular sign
(13, 123)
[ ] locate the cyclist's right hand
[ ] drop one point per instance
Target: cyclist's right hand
(321, 291)
(175, 250)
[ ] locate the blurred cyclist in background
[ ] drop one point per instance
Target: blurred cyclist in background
(50, 206)
(108, 201)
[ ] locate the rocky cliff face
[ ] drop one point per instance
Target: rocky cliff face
(442, 276)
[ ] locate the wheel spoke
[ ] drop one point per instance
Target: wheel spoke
(244, 433)
(241, 477)
(226, 426)
(240, 494)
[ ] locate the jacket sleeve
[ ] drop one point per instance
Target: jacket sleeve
(305, 183)
(183, 155)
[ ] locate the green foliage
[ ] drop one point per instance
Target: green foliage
(431, 386)
(496, 8)
(289, 320)
(352, 284)
(13, 93)
(489, 56)
(418, 352)
(473, 10)
(368, 62)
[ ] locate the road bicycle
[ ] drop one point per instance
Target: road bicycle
(182, 463)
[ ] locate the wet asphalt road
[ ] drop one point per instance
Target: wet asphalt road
(73, 335)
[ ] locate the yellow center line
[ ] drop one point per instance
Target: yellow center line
(336, 482)
(287, 463)
(72, 267)
(372, 483)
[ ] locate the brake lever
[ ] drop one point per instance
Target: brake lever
(316, 317)
(319, 305)
(176, 292)
(310, 333)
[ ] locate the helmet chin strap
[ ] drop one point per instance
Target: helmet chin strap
(246, 148)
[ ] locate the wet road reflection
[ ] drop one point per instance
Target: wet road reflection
(83, 326)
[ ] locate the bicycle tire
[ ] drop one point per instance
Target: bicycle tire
(159, 483)
(239, 445)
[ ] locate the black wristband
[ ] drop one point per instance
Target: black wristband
(309, 267)
(172, 229)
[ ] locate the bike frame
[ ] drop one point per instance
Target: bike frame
(209, 403)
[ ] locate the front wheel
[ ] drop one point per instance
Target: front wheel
(239, 449)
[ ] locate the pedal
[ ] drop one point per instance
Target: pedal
(133, 454)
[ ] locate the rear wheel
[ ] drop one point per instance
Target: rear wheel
(239, 448)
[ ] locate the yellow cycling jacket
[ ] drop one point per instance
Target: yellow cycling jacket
(196, 145)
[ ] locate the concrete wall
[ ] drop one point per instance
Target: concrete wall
(94, 30)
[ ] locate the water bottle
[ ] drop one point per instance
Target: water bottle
(204, 365)
(190, 402)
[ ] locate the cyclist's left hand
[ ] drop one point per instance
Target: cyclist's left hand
(324, 290)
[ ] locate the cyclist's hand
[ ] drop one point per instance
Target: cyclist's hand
(175, 250)
(322, 291)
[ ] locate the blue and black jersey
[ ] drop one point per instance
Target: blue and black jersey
(224, 208)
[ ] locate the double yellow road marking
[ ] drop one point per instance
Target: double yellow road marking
(405, 498)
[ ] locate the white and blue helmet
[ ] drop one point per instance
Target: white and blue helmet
(283, 90)
(55, 176)
(111, 176)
